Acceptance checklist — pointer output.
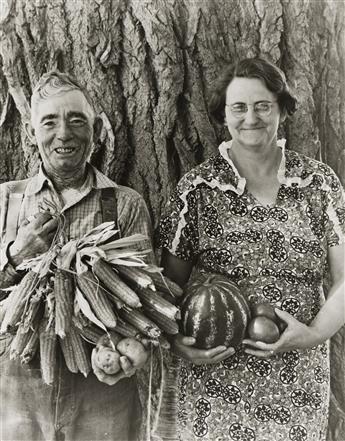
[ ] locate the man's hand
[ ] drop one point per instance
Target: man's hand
(296, 335)
(34, 237)
(183, 347)
(130, 355)
(127, 369)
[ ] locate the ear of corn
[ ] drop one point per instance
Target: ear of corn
(155, 301)
(166, 285)
(141, 322)
(97, 299)
(165, 324)
(31, 348)
(136, 276)
(107, 275)
(68, 353)
(33, 312)
(16, 301)
(64, 298)
(35, 305)
(125, 329)
(81, 352)
(91, 333)
(119, 304)
(19, 342)
(47, 343)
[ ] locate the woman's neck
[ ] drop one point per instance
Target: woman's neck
(260, 163)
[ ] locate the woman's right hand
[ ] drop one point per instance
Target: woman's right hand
(183, 347)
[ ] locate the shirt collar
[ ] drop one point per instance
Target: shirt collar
(99, 180)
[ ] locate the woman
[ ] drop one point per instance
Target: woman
(272, 220)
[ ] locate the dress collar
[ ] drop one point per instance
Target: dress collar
(291, 171)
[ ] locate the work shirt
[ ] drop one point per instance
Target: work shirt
(82, 212)
(74, 408)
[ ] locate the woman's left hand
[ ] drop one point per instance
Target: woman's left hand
(296, 335)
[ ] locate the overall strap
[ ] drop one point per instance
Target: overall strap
(15, 199)
(109, 206)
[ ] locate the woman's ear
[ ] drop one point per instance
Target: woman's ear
(283, 116)
(97, 128)
(30, 132)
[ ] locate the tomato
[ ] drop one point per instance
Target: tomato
(263, 329)
(265, 309)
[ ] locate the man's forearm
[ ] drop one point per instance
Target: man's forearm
(8, 274)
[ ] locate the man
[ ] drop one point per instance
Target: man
(64, 126)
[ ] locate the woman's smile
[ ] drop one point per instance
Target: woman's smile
(251, 129)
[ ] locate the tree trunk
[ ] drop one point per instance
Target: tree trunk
(149, 64)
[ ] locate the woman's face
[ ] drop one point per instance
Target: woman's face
(248, 123)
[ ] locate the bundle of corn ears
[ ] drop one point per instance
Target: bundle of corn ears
(74, 293)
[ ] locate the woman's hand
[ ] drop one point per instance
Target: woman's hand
(183, 347)
(296, 336)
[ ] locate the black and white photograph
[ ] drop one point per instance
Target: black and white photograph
(172, 220)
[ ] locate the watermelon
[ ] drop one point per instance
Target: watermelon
(214, 311)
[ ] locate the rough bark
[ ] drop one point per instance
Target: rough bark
(149, 64)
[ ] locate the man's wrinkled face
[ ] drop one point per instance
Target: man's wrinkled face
(63, 128)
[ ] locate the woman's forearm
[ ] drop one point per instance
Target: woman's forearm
(331, 316)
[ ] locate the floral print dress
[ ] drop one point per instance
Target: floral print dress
(276, 254)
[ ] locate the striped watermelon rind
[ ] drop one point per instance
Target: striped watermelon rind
(214, 312)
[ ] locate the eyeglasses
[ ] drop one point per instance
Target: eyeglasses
(261, 108)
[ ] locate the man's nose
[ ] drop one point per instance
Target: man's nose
(64, 132)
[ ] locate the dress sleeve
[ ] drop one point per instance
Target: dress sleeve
(178, 229)
(335, 210)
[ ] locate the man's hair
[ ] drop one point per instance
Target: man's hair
(54, 83)
(259, 68)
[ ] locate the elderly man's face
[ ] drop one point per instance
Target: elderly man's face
(63, 128)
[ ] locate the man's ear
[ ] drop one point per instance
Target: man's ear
(97, 128)
(30, 132)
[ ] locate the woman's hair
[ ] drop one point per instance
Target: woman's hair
(259, 68)
(54, 83)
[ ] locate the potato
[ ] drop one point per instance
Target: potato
(108, 360)
(133, 350)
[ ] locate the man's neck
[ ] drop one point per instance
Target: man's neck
(68, 181)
